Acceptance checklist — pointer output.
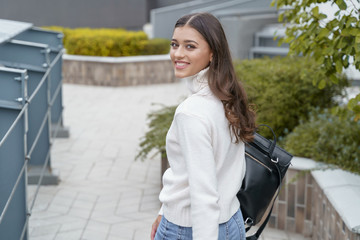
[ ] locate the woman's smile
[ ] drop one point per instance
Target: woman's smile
(181, 64)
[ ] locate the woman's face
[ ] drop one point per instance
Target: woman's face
(189, 52)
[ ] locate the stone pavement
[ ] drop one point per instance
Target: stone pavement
(104, 193)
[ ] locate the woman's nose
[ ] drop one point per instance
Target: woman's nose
(179, 52)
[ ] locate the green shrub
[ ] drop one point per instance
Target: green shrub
(155, 137)
(328, 138)
(104, 42)
(110, 42)
(282, 90)
(156, 46)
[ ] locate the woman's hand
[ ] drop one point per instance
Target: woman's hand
(155, 226)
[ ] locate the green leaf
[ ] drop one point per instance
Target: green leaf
(280, 42)
(342, 43)
(315, 11)
(342, 22)
(357, 64)
(350, 21)
(322, 16)
(354, 31)
(353, 103)
(357, 98)
(341, 3)
(324, 32)
(328, 51)
(281, 17)
(357, 38)
(272, 4)
(346, 32)
(357, 47)
(319, 58)
(345, 61)
(322, 84)
(334, 79)
(338, 65)
(314, 82)
(327, 63)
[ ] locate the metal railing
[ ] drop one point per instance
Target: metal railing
(30, 116)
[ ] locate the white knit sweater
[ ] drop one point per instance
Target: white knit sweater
(206, 166)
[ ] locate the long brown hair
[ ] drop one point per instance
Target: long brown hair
(221, 76)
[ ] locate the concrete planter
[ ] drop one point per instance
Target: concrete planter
(118, 71)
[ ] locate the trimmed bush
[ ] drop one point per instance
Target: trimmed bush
(110, 42)
(156, 46)
(328, 138)
(282, 90)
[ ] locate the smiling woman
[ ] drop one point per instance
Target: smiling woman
(205, 143)
(189, 52)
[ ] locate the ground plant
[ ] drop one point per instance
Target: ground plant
(282, 90)
(328, 138)
(154, 140)
(107, 42)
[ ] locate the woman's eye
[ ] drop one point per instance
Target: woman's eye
(173, 44)
(190, 46)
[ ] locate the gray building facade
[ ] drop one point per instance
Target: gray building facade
(242, 19)
(129, 14)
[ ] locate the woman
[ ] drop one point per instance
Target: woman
(205, 143)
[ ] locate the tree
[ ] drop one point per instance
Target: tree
(334, 43)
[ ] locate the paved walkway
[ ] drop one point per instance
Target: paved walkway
(104, 193)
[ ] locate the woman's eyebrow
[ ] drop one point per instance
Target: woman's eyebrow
(191, 41)
(186, 41)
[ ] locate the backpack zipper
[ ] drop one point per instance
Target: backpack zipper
(252, 157)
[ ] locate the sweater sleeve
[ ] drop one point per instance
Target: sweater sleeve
(194, 136)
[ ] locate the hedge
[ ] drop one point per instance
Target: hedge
(283, 90)
(328, 138)
(110, 42)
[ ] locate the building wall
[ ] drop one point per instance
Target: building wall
(240, 19)
(129, 14)
(240, 30)
(164, 3)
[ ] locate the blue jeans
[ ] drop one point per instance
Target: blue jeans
(233, 229)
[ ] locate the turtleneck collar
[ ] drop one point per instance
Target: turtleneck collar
(197, 82)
